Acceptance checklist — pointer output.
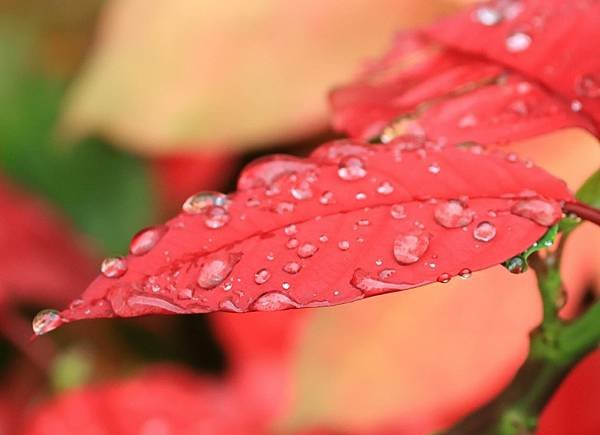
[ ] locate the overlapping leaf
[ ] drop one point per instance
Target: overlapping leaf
(354, 221)
(494, 73)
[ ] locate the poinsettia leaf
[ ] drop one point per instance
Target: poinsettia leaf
(440, 83)
(384, 218)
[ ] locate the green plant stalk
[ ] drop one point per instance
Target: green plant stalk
(556, 347)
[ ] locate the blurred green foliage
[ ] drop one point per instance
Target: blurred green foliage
(107, 193)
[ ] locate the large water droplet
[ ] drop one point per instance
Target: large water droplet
(46, 321)
(273, 301)
(113, 267)
(216, 217)
(146, 239)
(465, 273)
(307, 250)
(517, 42)
(201, 202)
(292, 267)
(351, 168)
(538, 210)
(262, 276)
(588, 85)
(214, 271)
(452, 214)
(484, 231)
(265, 171)
(409, 247)
(444, 278)
(370, 284)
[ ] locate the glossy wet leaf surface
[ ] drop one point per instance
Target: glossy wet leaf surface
(331, 234)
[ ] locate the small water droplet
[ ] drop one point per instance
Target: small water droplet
(46, 321)
(351, 168)
(307, 250)
(216, 217)
(468, 120)
(113, 267)
(284, 207)
(262, 276)
(327, 198)
(409, 247)
(378, 262)
(285, 285)
(214, 271)
(200, 202)
(434, 168)
(273, 301)
(398, 211)
(292, 267)
(588, 85)
(576, 106)
(344, 245)
(452, 214)
(443, 278)
(323, 238)
(518, 41)
(270, 256)
(290, 230)
(488, 16)
(146, 239)
(465, 273)
(292, 243)
(385, 188)
(387, 273)
(512, 157)
(363, 222)
(227, 286)
(516, 264)
(484, 231)
(361, 196)
(538, 210)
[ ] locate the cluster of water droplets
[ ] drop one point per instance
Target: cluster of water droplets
(212, 206)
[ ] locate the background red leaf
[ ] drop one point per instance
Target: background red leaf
(334, 234)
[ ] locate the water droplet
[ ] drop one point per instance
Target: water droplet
(227, 286)
(466, 121)
(443, 278)
(361, 196)
(262, 276)
(292, 243)
(46, 321)
(323, 238)
(385, 188)
(270, 256)
(285, 285)
(465, 273)
(588, 85)
(216, 217)
(516, 264)
(363, 222)
(538, 210)
(512, 157)
(351, 168)
(398, 211)
(290, 230)
(434, 168)
(327, 198)
(200, 202)
(452, 214)
(369, 284)
(387, 273)
(307, 250)
(214, 271)
(146, 239)
(273, 301)
(488, 16)
(484, 231)
(576, 106)
(517, 42)
(344, 245)
(378, 262)
(113, 267)
(267, 170)
(185, 293)
(77, 303)
(284, 207)
(302, 191)
(292, 267)
(409, 247)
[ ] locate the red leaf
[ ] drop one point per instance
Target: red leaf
(477, 86)
(41, 260)
(162, 400)
(350, 228)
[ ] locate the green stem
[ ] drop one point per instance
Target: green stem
(556, 346)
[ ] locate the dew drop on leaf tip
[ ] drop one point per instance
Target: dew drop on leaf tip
(46, 321)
